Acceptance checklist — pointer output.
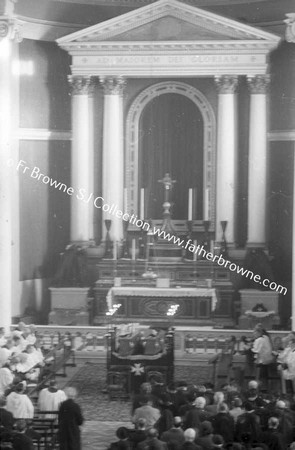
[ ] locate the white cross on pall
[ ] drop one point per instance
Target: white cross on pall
(137, 369)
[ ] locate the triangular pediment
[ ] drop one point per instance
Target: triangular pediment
(167, 20)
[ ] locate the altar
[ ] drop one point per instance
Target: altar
(152, 304)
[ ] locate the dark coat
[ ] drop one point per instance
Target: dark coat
(190, 446)
(273, 439)
(136, 436)
(69, 420)
(194, 417)
(223, 424)
(152, 444)
(22, 442)
(6, 419)
(174, 438)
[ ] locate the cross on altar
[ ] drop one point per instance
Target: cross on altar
(168, 185)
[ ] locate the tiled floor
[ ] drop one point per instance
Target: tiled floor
(98, 435)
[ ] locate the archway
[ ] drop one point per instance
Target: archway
(133, 138)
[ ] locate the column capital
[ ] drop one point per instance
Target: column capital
(113, 85)
(258, 84)
(11, 29)
(226, 84)
(290, 30)
(81, 85)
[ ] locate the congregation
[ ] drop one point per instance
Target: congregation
(174, 416)
(186, 417)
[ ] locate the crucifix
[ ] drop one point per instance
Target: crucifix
(168, 185)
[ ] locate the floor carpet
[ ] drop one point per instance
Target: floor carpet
(96, 406)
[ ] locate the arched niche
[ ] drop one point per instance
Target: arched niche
(132, 139)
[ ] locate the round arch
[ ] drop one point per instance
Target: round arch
(132, 138)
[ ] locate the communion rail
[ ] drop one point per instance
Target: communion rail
(195, 341)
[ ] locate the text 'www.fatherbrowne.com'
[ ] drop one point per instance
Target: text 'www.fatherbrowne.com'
(218, 259)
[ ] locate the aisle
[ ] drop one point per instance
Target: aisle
(97, 435)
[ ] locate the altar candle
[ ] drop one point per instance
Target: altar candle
(195, 203)
(206, 205)
(195, 254)
(141, 204)
(133, 250)
(125, 201)
(190, 205)
(115, 250)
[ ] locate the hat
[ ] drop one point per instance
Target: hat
(122, 433)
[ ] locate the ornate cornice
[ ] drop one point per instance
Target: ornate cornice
(290, 30)
(226, 84)
(10, 28)
(258, 84)
(81, 85)
(140, 46)
(113, 85)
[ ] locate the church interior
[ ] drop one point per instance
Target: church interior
(119, 118)
(147, 211)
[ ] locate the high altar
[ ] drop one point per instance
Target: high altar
(130, 72)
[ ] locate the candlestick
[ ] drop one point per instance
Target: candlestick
(125, 200)
(195, 254)
(133, 250)
(115, 250)
(212, 246)
(206, 204)
(190, 205)
(195, 203)
(142, 204)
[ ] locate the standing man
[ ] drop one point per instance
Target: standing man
(69, 420)
(262, 348)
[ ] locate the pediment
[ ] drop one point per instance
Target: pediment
(167, 20)
(171, 28)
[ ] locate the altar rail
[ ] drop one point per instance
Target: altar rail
(192, 340)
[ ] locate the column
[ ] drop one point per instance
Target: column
(9, 274)
(257, 161)
(226, 155)
(113, 152)
(82, 166)
(293, 251)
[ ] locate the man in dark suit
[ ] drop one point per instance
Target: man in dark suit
(6, 417)
(197, 414)
(69, 420)
(174, 437)
(152, 442)
(20, 440)
(139, 433)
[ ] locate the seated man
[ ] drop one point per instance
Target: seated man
(50, 399)
(152, 345)
(125, 345)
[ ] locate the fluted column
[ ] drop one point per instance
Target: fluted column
(226, 155)
(9, 272)
(257, 160)
(82, 153)
(113, 151)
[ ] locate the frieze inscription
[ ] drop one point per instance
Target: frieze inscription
(159, 60)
